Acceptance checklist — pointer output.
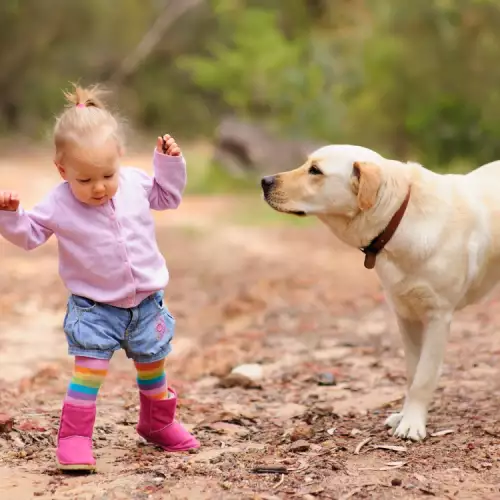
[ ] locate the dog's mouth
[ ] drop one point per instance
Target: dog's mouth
(275, 206)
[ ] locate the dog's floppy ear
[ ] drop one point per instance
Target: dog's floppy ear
(366, 183)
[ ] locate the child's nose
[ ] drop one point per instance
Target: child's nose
(99, 188)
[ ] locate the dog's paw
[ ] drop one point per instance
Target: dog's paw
(393, 420)
(411, 427)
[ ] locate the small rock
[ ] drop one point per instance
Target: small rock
(300, 446)
(253, 371)
(336, 466)
(6, 423)
(246, 376)
(226, 485)
(301, 431)
(396, 481)
(326, 378)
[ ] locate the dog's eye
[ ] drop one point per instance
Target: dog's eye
(314, 170)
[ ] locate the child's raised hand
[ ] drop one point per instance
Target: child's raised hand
(168, 146)
(9, 201)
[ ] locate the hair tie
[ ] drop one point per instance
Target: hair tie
(80, 105)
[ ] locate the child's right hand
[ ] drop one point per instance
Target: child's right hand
(9, 201)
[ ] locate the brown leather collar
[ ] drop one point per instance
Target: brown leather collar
(378, 243)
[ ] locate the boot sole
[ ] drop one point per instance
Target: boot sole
(170, 450)
(76, 467)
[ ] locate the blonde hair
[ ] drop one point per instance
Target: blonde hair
(85, 119)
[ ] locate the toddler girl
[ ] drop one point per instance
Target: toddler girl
(110, 263)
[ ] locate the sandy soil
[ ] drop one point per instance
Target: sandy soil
(291, 299)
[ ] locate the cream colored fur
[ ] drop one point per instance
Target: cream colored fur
(444, 255)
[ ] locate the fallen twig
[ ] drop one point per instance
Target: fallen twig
(360, 445)
(388, 466)
(389, 447)
(442, 433)
(270, 469)
(280, 482)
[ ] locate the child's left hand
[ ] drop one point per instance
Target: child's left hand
(167, 146)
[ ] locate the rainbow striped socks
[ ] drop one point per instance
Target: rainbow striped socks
(152, 380)
(88, 376)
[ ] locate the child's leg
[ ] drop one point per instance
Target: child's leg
(74, 441)
(151, 379)
(88, 376)
(148, 341)
(157, 422)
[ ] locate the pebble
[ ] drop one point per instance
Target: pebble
(301, 431)
(246, 376)
(299, 446)
(396, 481)
(327, 378)
(6, 423)
(252, 371)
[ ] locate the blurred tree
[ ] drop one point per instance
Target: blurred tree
(415, 82)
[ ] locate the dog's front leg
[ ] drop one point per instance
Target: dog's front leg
(414, 419)
(412, 335)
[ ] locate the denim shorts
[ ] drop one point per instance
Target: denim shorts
(97, 330)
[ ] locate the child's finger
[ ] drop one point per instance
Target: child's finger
(4, 198)
(14, 200)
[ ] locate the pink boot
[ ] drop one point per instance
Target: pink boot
(157, 424)
(74, 441)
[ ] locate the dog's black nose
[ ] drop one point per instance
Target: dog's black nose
(267, 182)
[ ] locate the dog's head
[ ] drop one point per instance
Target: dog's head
(335, 180)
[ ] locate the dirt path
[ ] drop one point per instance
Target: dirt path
(290, 299)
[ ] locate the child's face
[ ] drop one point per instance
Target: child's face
(92, 173)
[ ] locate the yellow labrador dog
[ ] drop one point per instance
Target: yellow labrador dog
(434, 241)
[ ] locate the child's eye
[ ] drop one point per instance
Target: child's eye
(83, 181)
(109, 176)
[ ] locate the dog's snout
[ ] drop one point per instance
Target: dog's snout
(267, 183)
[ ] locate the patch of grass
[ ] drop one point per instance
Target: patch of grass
(214, 180)
(206, 178)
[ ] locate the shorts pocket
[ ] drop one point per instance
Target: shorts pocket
(90, 327)
(82, 304)
(159, 302)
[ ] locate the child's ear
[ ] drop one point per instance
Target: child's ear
(60, 169)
